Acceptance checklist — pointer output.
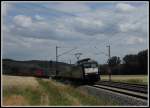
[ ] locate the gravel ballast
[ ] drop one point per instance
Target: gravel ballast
(120, 98)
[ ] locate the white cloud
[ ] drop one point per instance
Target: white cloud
(126, 27)
(22, 20)
(125, 7)
(25, 26)
(38, 17)
(135, 40)
(87, 26)
(30, 34)
(69, 7)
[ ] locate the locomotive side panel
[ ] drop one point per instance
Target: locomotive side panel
(63, 71)
(74, 72)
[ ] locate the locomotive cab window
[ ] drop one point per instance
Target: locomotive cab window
(90, 65)
(87, 65)
(93, 65)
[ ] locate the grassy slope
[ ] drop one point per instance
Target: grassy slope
(32, 91)
(138, 79)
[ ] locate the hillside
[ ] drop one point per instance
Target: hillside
(27, 68)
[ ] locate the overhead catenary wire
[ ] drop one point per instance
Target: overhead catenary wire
(66, 52)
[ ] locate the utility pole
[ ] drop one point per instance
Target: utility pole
(56, 59)
(109, 69)
(58, 55)
(70, 61)
(108, 51)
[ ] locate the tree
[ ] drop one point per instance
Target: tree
(113, 61)
(143, 60)
(130, 59)
(133, 64)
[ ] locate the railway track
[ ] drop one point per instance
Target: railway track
(127, 86)
(134, 90)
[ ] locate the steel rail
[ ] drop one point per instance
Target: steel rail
(125, 86)
(123, 91)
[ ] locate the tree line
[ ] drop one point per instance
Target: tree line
(131, 64)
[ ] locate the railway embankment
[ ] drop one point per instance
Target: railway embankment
(122, 99)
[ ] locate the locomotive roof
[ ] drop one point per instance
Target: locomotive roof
(86, 60)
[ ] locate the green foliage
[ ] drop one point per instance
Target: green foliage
(53, 93)
(68, 95)
(143, 60)
(130, 59)
(114, 61)
(135, 79)
(55, 96)
(32, 96)
(133, 64)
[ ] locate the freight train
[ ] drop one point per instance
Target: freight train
(21, 68)
(85, 70)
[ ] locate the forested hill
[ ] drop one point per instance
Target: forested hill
(10, 66)
(131, 64)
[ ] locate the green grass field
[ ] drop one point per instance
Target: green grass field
(138, 79)
(30, 91)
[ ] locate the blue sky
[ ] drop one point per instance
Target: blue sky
(31, 30)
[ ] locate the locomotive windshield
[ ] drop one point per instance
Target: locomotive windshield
(93, 65)
(87, 65)
(90, 65)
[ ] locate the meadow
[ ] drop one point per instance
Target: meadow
(137, 79)
(31, 91)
